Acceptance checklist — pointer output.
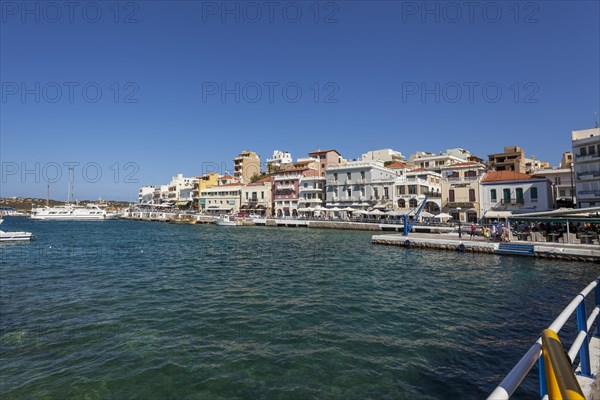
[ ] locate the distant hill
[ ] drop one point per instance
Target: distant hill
(25, 203)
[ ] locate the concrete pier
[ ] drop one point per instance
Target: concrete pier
(451, 242)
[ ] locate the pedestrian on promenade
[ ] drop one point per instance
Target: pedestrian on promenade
(473, 230)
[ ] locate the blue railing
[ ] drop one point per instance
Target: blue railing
(581, 345)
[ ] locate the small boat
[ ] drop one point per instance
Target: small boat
(72, 212)
(184, 219)
(14, 236)
(226, 220)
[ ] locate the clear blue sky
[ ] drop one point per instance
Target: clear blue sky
(370, 60)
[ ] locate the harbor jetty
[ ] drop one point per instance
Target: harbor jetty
(451, 242)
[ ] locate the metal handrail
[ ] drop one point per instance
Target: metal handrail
(516, 375)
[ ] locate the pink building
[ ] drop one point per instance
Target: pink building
(327, 159)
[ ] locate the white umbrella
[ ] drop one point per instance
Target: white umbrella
(375, 212)
(349, 209)
(334, 209)
(359, 212)
(442, 216)
(394, 213)
(426, 214)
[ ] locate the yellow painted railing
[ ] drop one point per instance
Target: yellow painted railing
(560, 378)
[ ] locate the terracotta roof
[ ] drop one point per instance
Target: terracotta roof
(291, 170)
(267, 179)
(419, 170)
(323, 151)
(226, 177)
(311, 172)
(396, 165)
(499, 176)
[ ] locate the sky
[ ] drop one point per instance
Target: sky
(131, 93)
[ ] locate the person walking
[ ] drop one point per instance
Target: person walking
(473, 230)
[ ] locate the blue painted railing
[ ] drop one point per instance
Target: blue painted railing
(581, 345)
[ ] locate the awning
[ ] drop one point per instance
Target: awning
(182, 203)
(555, 219)
(498, 214)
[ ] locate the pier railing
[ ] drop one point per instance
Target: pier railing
(580, 346)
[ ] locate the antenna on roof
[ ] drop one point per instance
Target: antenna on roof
(596, 119)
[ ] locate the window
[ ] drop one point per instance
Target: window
(335, 176)
(362, 174)
(582, 151)
(376, 193)
(562, 193)
(349, 192)
(386, 193)
(451, 196)
(506, 195)
(362, 191)
(493, 195)
(471, 194)
(557, 180)
(401, 203)
(519, 192)
(349, 175)
(534, 194)
(592, 150)
(412, 203)
(470, 174)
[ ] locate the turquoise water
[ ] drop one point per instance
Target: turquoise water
(136, 310)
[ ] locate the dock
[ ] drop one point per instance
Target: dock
(451, 242)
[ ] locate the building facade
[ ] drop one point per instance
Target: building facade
(286, 191)
(311, 190)
(586, 150)
(460, 191)
(360, 184)
(563, 186)
(279, 160)
(411, 189)
(256, 198)
(385, 155)
(504, 193)
(245, 166)
(222, 199)
(327, 159)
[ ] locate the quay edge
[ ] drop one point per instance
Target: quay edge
(557, 251)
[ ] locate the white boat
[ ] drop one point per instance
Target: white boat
(72, 212)
(14, 236)
(226, 220)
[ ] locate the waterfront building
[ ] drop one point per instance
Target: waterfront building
(279, 160)
(460, 190)
(203, 182)
(435, 162)
(180, 190)
(504, 193)
(563, 185)
(411, 189)
(586, 149)
(360, 184)
(286, 191)
(146, 195)
(385, 155)
(256, 197)
(245, 166)
(327, 159)
(311, 190)
(162, 195)
(223, 198)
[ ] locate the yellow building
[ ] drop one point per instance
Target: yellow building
(203, 182)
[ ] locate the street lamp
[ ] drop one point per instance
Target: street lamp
(459, 232)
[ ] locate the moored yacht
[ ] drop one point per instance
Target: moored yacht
(14, 236)
(72, 212)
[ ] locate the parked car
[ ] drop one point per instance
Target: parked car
(242, 215)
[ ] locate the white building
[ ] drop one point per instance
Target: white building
(504, 193)
(360, 184)
(385, 155)
(411, 189)
(311, 190)
(563, 186)
(146, 195)
(278, 160)
(586, 149)
(256, 197)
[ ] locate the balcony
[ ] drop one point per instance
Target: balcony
(310, 189)
(287, 177)
(588, 175)
(589, 193)
(284, 187)
(587, 157)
